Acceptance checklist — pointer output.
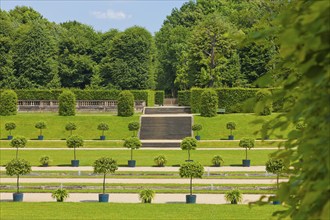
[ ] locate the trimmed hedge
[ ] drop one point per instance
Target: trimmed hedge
(151, 98)
(159, 97)
(195, 100)
(67, 104)
(184, 98)
(8, 103)
(125, 104)
(209, 103)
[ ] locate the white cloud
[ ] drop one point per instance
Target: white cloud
(111, 14)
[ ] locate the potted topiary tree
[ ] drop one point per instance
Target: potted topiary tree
(160, 160)
(275, 166)
(60, 195)
(234, 196)
(40, 125)
(188, 143)
(132, 143)
(75, 141)
(134, 127)
(247, 143)
(146, 195)
(197, 128)
(104, 165)
(264, 131)
(17, 167)
(231, 126)
(9, 127)
(18, 142)
(217, 161)
(44, 160)
(191, 170)
(70, 127)
(103, 127)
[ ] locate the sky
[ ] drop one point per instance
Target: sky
(103, 15)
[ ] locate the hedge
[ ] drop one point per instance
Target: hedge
(184, 98)
(195, 99)
(8, 103)
(151, 98)
(67, 103)
(125, 104)
(209, 103)
(159, 97)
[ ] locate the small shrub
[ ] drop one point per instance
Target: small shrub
(134, 127)
(67, 103)
(209, 103)
(197, 128)
(217, 160)
(160, 160)
(8, 103)
(191, 170)
(234, 196)
(188, 143)
(10, 126)
(44, 160)
(231, 126)
(103, 127)
(125, 104)
(70, 127)
(246, 143)
(41, 125)
(146, 195)
(105, 165)
(60, 195)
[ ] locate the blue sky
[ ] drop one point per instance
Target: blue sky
(103, 15)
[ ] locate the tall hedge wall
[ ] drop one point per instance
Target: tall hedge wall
(184, 98)
(195, 99)
(159, 97)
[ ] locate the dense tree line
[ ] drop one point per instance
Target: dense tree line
(198, 45)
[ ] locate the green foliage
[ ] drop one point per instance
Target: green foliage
(141, 95)
(246, 143)
(209, 103)
(234, 196)
(264, 102)
(10, 126)
(70, 127)
(74, 141)
(151, 98)
(18, 142)
(160, 160)
(103, 127)
(146, 195)
(275, 166)
(60, 195)
(195, 100)
(159, 97)
(17, 167)
(125, 104)
(8, 103)
(197, 128)
(134, 127)
(44, 160)
(105, 165)
(184, 98)
(231, 126)
(67, 104)
(191, 170)
(132, 143)
(40, 125)
(188, 143)
(217, 160)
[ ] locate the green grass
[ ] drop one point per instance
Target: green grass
(215, 128)
(53, 210)
(86, 125)
(143, 157)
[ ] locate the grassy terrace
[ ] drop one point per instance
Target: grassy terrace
(133, 211)
(143, 157)
(213, 128)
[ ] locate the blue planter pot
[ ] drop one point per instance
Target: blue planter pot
(131, 163)
(17, 197)
(191, 199)
(40, 137)
(231, 137)
(246, 163)
(103, 197)
(10, 137)
(102, 138)
(75, 163)
(276, 202)
(198, 137)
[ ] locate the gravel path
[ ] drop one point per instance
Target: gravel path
(146, 148)
(129, 198)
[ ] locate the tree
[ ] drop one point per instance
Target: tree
(246, 143)
(105, 165)
(125, 104)
(209, 103)
(18, 142)
(188, 143)
(134, 127)
(67, 103)
(103, 127)
(70, 127)
(41, 125)
(8, 103)
(10, 126)
(275, 166)
(75, 141)
(17, 167)
(132, 143)
(191, 170)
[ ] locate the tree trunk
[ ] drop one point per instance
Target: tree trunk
(104, 183)
(17, 183)
(16, 153)
(246, 153)
(277, 178)
(74, 153)
(131, 153)
(190, 185)
(188, 154)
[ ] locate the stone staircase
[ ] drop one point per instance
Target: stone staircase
(165, 126)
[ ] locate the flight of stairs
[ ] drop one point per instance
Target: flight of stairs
(165, 126)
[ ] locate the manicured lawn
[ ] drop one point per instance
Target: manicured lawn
(142, 157)
(53, 210)
(86, 125)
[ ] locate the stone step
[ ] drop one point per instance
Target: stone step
(165, 127)
(161, 143)
(167, 110)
